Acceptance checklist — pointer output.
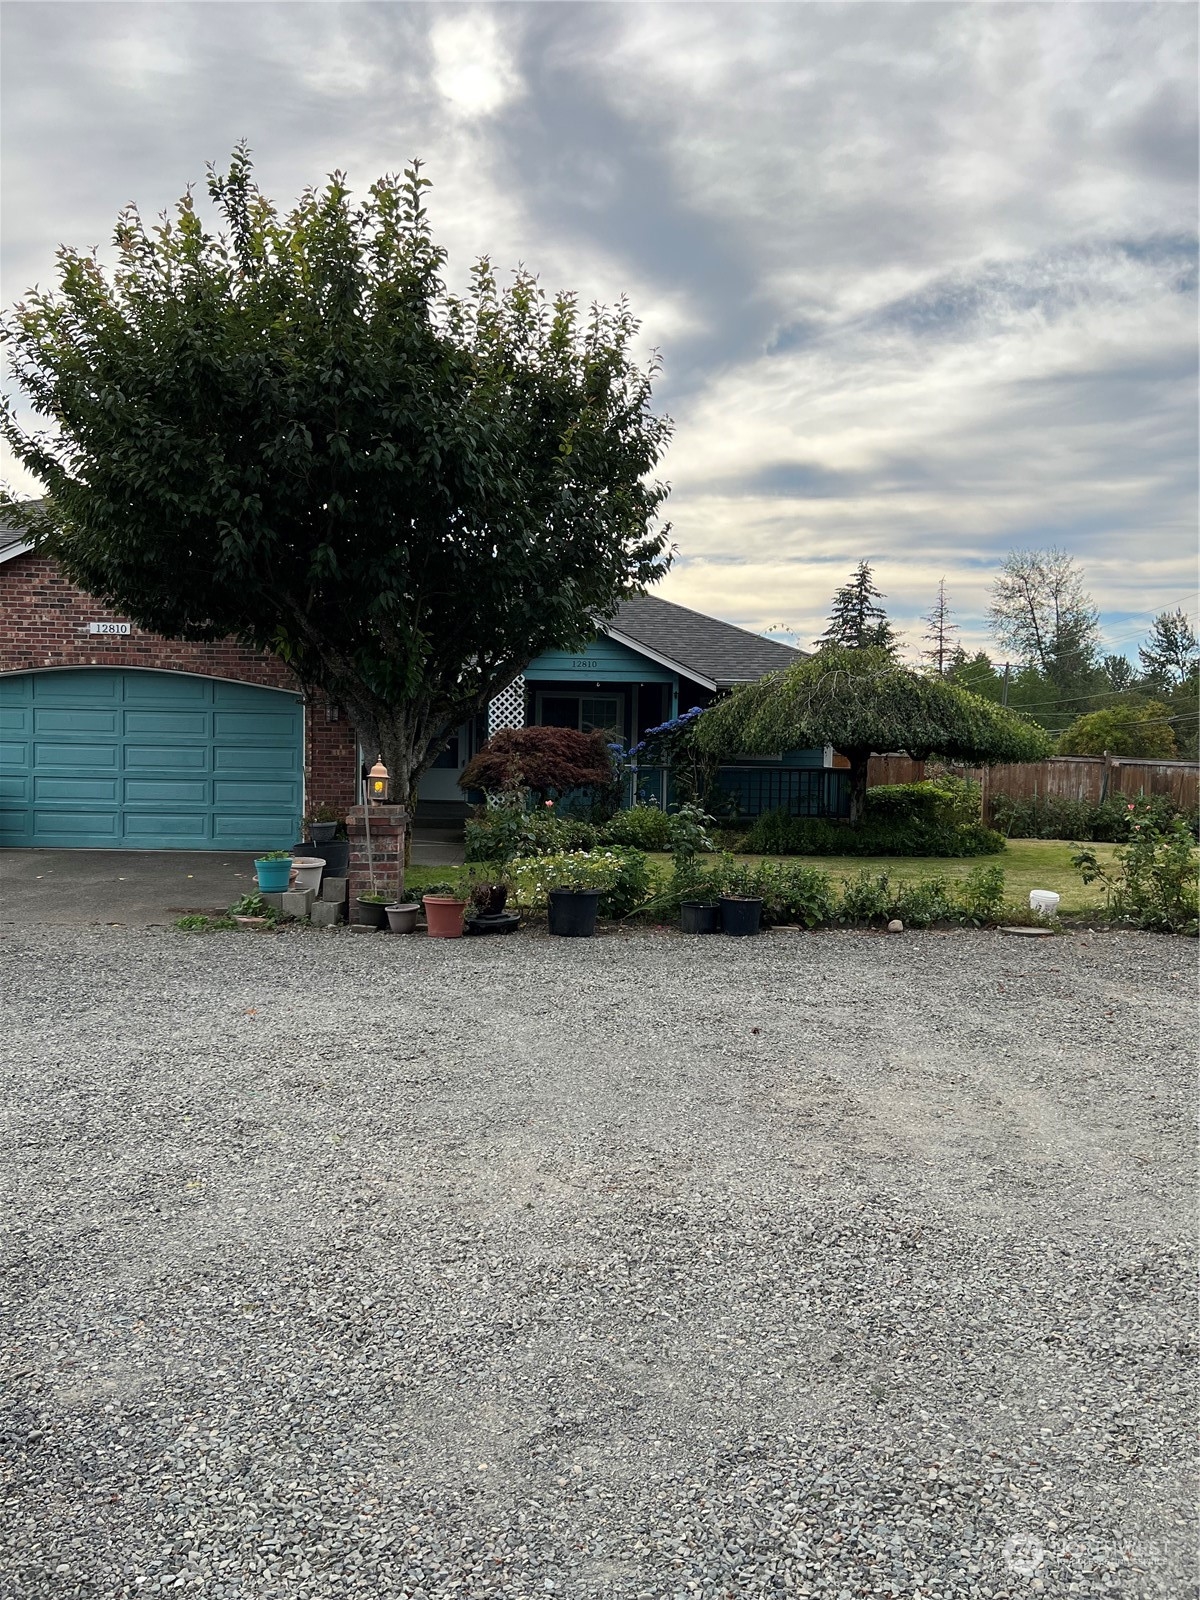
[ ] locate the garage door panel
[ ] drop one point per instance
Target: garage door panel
(184, 758)
(82, 688)
(185, 830)
(174, 690)
(135, 759)
(231, 795)
(62, 824)
(256, 827)
(168, 724)
(167, 791)
(253, 727)
(52, 756)
(101, 722)
(75, 790)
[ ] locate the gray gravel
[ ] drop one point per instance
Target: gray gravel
(829, 1265)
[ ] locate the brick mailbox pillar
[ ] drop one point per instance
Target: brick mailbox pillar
(389, 824)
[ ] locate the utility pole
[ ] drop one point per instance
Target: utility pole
(1004, 696)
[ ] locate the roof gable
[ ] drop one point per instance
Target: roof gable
(701, 647)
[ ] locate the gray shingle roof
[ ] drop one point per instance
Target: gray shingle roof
(10, 536)
(703, 647)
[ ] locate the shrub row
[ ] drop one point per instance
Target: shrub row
(501, 833)
(1049, 817)
(793, 892)
(777, 834)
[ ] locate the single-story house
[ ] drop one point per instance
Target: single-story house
(112, 738)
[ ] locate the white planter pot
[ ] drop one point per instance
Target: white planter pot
(306, 872)
(1044, 902)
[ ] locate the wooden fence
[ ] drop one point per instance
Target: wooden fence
(1088, 778)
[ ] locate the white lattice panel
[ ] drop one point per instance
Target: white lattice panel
(507, 710)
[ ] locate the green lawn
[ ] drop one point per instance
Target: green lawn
(1027, 863)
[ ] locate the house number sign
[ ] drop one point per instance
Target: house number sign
(576, 663)
(121, 628)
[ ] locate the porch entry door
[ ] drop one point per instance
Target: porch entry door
(440, 783)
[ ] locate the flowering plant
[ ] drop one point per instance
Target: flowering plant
(1153, 882)
(622, 876)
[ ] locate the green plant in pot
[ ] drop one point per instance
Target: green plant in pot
(274, 869)
(370, 908)
(323, 825)
(444, 908)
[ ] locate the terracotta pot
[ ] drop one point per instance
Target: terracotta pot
(444, 916)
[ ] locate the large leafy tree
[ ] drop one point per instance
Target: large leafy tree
(1041, 612)
(864, 703)
(1139, 728)
(291, 433)
(856, 620)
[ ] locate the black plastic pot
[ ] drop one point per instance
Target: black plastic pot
(335, 853)
(369, 913)
(493, 922)
(740, 917)
(699, 916)
(323, 832)
(573, 912)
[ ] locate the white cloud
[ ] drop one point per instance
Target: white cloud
(472, 64)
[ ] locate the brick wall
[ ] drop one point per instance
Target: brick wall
(44, 623)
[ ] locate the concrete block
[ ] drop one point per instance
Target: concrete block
(364, 927)
(298, 902)
(327, 915)
(335, 890)
(275, 901)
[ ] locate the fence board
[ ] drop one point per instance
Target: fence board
(1087, 778)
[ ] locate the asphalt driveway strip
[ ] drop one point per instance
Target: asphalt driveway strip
(830, 1265)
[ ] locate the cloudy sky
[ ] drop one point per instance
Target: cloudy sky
(923, 277)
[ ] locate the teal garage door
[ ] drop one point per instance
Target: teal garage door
(103, 759)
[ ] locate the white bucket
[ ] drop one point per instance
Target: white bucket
(1043, 901)
(306, 872)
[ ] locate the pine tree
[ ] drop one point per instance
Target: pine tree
(940, 634)
(856, 622)
(1170, 653)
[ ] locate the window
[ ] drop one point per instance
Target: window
(600, 712)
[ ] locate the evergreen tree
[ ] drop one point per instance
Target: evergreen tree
(940, 634)
(1171, 651)
(856, 622)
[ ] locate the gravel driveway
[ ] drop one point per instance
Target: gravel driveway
(831, 1265)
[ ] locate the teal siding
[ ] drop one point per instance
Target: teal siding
(121, 760)
(603, 661)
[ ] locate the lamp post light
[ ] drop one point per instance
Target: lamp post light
(377, 781)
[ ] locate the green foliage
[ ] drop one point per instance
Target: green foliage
(855, 621)
(1170, 655)
(867, 897)
(1051, 817)
(198, 923)
(944, 800)
(981, 894)
(777, 834)
(642, 827)
(687, 830)
(623, 876)
(860, 702)
(929, 900)
(276, 855)
(291, 433)
(375, 897)
(253, 905)
(1131, 729)
(1153, 882)
(1041, 612)
(504, 832)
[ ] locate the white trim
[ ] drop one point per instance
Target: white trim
(14, 550)
(655, 655)
(174, 672)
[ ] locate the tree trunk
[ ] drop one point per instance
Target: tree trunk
(859, 762)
